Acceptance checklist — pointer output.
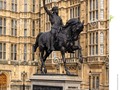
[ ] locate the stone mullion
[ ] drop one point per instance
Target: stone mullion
(88, 35)
(18, 51)
(95, 42)
(8, 51)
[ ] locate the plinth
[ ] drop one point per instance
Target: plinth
(55, 82)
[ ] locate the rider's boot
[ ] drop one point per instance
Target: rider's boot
(52, 43)
(52, 46)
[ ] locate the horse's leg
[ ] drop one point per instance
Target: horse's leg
(64, 61)
(35, 46)
(75, 48)
(80, 55)
(44, 59)
(41, 58)
(79, 52)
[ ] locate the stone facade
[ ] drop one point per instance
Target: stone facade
(17, 36)
(21, 21)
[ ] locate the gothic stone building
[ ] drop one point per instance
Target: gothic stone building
(22, 20)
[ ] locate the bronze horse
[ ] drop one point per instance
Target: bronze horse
(64, 42)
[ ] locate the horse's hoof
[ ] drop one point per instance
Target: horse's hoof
(80, 59)
(45, 70)
(68, 73)
(34, 48)
(42, 72)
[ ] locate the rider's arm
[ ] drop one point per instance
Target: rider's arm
(47, 11)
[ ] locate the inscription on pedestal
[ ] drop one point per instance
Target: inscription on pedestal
(38, 87)
(72, 88)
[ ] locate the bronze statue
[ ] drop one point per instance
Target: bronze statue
(60, 38)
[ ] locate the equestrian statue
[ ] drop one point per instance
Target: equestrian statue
(60, 38)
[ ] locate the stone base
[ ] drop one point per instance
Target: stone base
(55, 82)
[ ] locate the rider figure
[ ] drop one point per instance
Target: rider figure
(56, 24)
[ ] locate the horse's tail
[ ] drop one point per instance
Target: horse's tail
(36, 42)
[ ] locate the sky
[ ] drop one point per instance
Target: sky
(114, 44)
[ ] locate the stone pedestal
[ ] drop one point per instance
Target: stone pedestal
(55, 82)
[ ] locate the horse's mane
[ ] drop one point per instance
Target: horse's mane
(71, 22)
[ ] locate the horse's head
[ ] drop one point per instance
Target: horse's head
(77, 30)
(76, 27)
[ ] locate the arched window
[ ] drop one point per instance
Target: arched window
(96, 37)
(101, 37)
(101, 43)
(101, 49)
(3, 82)
(90, 38)
(97, 82)
(93, 82)
(25, 5)
(93, 11)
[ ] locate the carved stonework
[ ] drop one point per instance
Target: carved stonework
(91, 59)
(96, 58)
(102, 24)
(102, 59)
(49, 61)
(72, 67)
(93, 25)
